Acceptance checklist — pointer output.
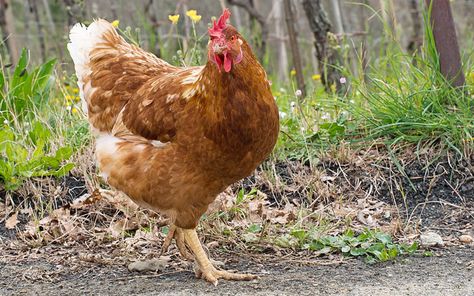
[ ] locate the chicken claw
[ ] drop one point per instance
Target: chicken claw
(176, 233)
(206, 270)
(212, 275)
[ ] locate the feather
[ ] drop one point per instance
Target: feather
(82, 41)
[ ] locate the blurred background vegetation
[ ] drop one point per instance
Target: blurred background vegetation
(357, 72)
(42, 26)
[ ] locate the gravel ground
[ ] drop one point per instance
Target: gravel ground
(449, 272)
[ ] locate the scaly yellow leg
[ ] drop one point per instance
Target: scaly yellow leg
(207, 270)
(176, 233)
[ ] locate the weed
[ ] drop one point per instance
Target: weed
(29, 138)
(23, 92)
(17, 162)
(373, 245)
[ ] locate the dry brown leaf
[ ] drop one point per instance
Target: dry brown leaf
(86, 199)
(284, 216)
(125, 224)
(11, 222)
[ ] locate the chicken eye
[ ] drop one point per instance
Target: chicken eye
(232, 38)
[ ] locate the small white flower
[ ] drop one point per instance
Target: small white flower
(282, 90)
(351, 101)
(342, 80)
(5, 121)
(282, 114)
(298, 92)
(325, 116)
(292, 106)
(68, 108)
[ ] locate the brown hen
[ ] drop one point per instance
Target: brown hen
(173, 138)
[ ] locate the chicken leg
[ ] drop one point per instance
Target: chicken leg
(206, 270)
(176, 233)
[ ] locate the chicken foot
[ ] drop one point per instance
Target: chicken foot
(176, 233)
(206, 270)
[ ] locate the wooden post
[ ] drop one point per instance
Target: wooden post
(295, 51)
(444, 32)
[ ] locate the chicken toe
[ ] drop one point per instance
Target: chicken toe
(205, 268)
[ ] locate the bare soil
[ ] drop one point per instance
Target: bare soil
(427, 195)
(449, 272)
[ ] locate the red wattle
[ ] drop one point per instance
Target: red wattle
(227, 62)
(218, 61)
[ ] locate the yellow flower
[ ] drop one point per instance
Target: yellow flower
(193, 15)
(174, 18)
(195, 18)
(191, 12)
(75, 90)
(333, 88)
(471, 76)
(74, 110)
(316, 77)
(293, 72)
(115, 23)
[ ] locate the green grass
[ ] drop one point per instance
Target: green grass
(403, 100)
(39, 131)
(414, 104)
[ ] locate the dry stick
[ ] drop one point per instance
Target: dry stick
(295, 51)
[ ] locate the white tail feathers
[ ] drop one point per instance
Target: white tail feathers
(82, 41)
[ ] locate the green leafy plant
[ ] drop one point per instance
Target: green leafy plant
(22, 92)
(373, 245)
(28, 144)
(24, 158)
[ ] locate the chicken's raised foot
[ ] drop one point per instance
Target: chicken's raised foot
(206, 270)
(176, 233)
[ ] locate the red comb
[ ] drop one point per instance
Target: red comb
(220, 24)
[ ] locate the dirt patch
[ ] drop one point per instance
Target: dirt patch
(427, 193)
(450, 272)
(70, 248)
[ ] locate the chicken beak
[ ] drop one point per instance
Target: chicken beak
(218, 49)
